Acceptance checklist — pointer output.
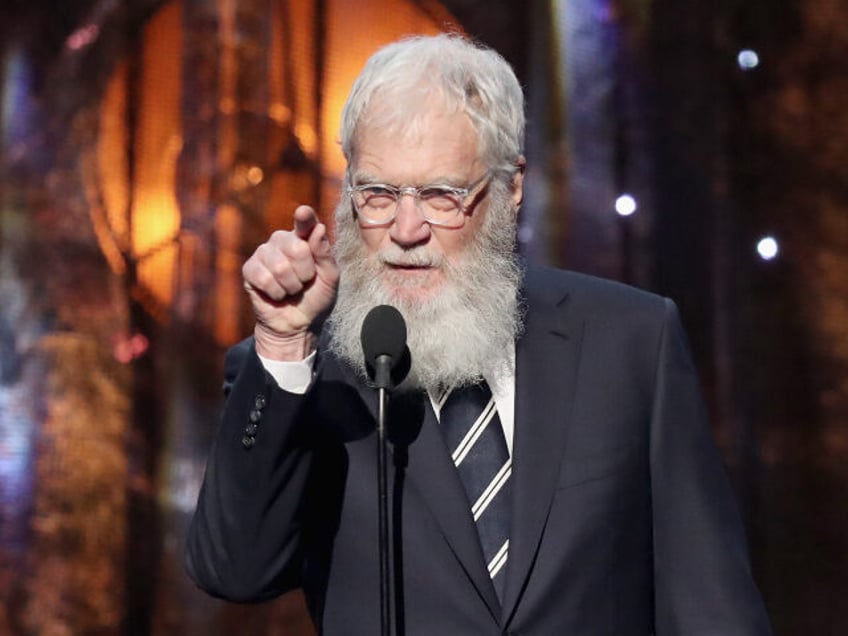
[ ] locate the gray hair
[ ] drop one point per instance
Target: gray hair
(468, 76)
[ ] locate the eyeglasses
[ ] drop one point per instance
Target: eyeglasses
(443, 205)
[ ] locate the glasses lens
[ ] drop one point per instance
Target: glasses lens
(375, 203)
(440, 205)
(439, 199)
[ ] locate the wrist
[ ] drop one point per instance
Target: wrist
(284, 347)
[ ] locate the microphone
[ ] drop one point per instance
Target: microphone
(383, 339)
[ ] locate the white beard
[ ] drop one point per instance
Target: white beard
(466, 330)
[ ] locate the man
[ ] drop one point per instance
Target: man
(606, 509)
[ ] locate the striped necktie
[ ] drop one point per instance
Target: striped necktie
(474, 436)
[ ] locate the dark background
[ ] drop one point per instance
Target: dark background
(130, 137)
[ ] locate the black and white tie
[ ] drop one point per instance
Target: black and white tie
(475, 438)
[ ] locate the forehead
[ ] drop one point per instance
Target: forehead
(434, 143)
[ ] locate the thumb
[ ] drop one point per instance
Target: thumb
(305, 221)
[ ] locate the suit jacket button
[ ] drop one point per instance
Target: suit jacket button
(248, 441)
(255, 415)
(260, 401)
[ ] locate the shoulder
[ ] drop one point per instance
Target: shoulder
(593, 297)
(616, 322)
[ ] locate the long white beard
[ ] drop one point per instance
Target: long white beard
(464, 331)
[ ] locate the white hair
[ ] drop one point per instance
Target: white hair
(467, 76)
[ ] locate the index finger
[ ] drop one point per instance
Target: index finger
(305, 221)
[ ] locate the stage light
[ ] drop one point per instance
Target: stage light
(255, 175)
(767, 248)
(748, 59)
(82, 37)
(625, 205)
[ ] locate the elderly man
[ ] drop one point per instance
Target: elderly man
(552, 468)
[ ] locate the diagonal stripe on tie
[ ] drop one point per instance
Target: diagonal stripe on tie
(499, 559)
(492, 490)
(473, 433)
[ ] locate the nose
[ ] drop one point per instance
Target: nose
(409, 227)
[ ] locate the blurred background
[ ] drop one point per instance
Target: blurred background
(696, 148)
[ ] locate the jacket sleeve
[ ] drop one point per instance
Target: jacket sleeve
(703, 583)
(243, 543)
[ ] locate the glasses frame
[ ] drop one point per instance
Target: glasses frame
(415, 192)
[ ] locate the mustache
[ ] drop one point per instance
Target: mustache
(414, 257)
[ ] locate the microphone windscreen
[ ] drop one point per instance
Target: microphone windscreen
(383, 333)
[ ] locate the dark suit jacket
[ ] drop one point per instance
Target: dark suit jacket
(624, 523)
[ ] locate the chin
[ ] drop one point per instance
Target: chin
(412, 296)
(410, 285)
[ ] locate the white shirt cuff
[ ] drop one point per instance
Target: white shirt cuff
(294, 377)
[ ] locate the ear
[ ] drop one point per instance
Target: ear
(518, 182)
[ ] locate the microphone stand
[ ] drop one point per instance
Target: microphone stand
(383, 345)
(382, 379)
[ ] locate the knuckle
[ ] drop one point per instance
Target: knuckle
(300, 250)
(280, 268)
(250, 269)
(262, 280)
(277, 242)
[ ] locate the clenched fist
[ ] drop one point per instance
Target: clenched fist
(291, 280)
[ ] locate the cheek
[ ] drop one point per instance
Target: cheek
(373, 237)
(454, 242)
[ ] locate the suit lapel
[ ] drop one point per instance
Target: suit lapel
(546, 373)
